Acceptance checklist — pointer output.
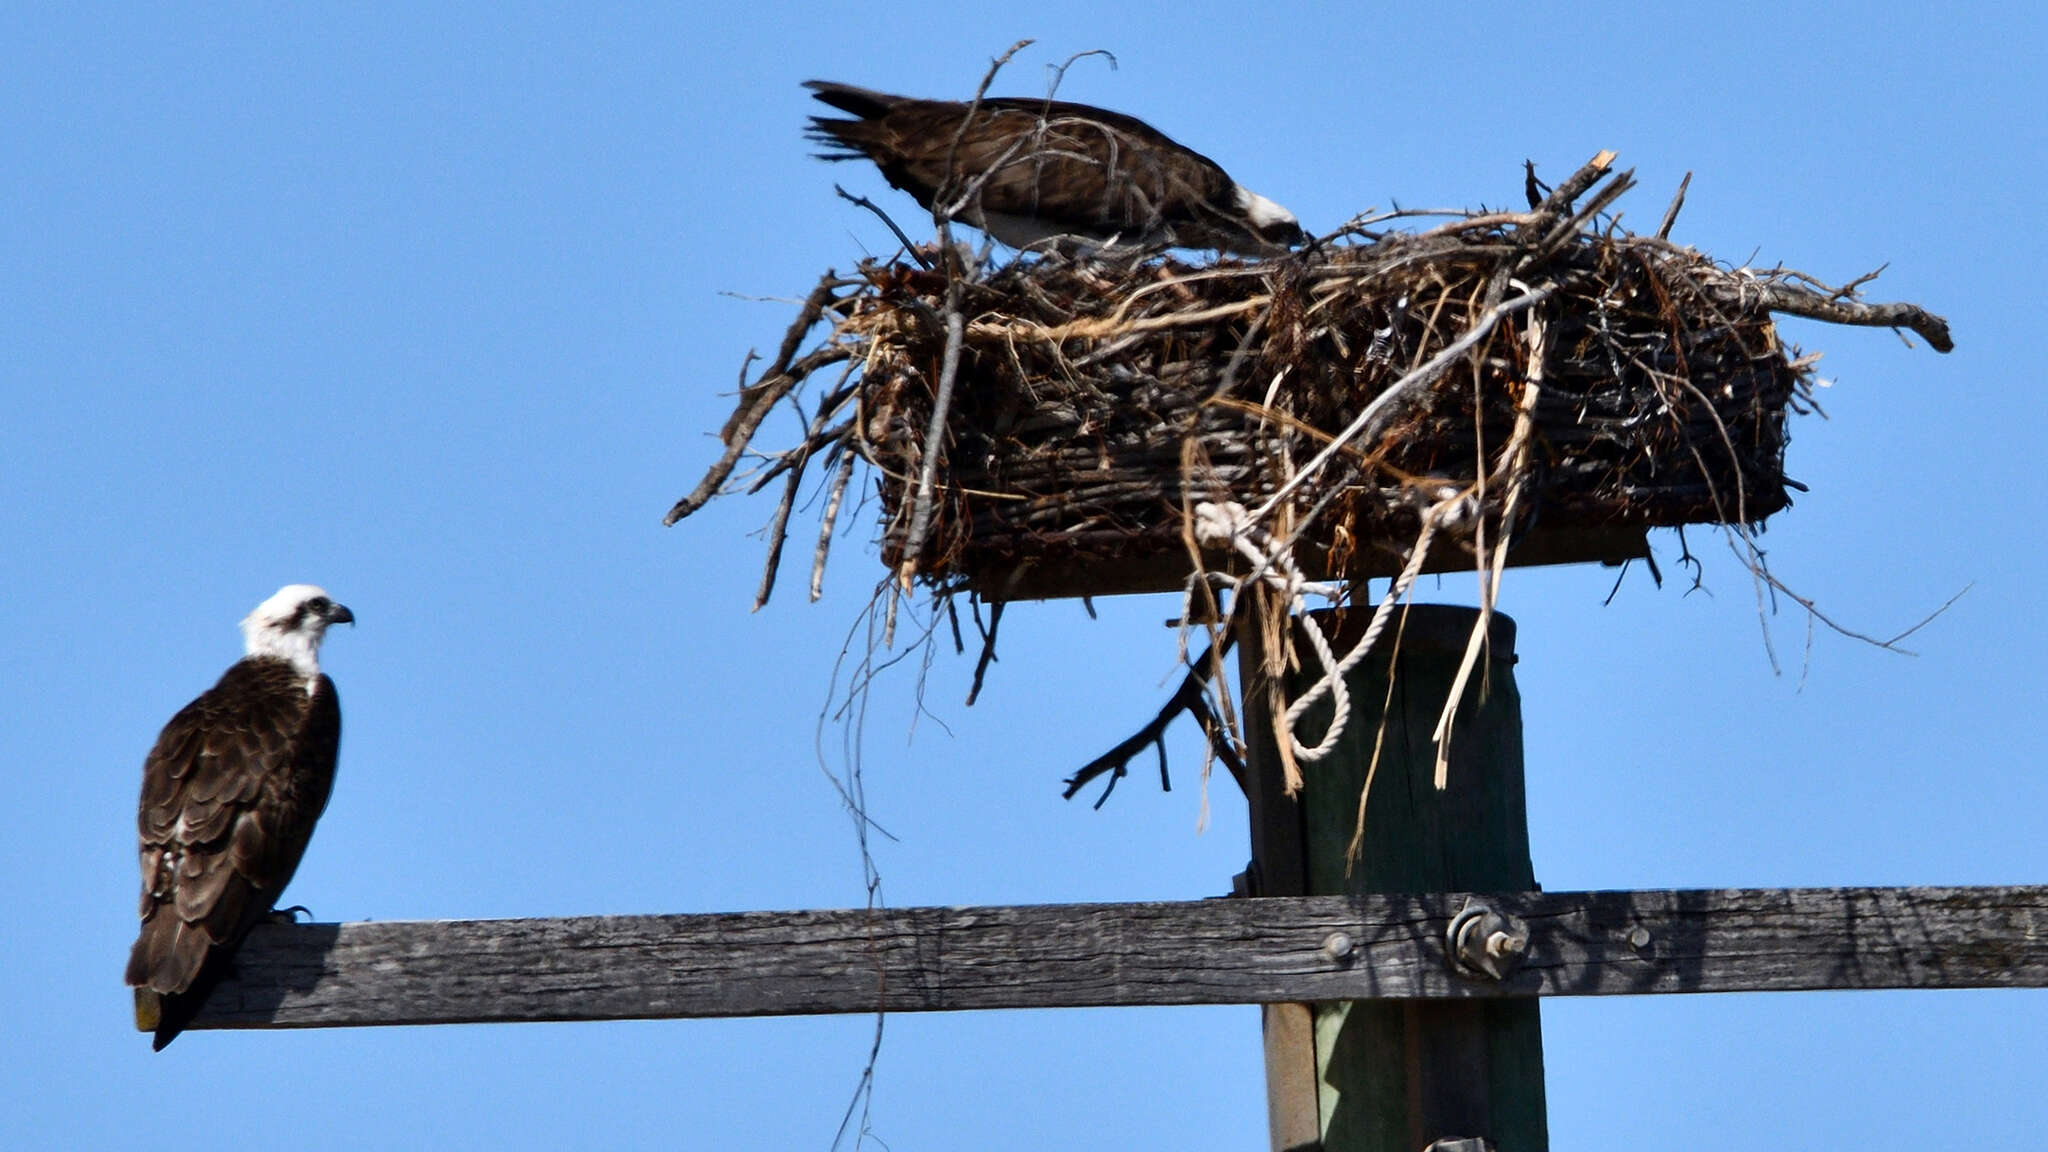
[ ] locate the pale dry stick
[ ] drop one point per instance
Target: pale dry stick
(1484, 220)
(934, 441)
(1116, 317)
(1116, 324)
(1414, 381)
(831, 517)
(1671, 213)
(896, 593)
(1516, 458)
(1356, 226)
(949, 368)
(1752, 290)
(1059, 71)
(1110, 325)
(974, 105)
(815, 438)
(794, 461)
(943, 216)
(1792, 302)
(1848, 291)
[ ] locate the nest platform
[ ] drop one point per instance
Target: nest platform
(1050, 426)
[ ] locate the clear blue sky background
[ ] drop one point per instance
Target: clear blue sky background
(437, 305)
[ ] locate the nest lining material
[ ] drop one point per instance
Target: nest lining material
(1089, 408)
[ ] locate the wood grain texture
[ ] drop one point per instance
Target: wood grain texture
(1394, 1076)
(1235, 951)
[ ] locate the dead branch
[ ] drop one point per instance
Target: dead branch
(988, 648)
(1188, 698)
(830, 518)
(1671, 213)
(756, 400)
(745, 423)
(1780, 297)
(870, 205)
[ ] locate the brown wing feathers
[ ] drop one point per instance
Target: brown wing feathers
(229, 797)
(1033, 156)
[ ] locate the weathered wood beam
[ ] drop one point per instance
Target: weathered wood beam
(1225, 951)
(1167, 571)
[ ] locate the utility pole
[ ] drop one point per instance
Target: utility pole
(1400, 1075)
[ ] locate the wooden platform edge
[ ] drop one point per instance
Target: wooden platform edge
(1222, 951)
(1167, 570)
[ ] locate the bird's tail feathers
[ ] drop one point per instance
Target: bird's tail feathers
(838, 139)
(862, 102)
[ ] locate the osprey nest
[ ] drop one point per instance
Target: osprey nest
(1383, 402)
(1502, 388)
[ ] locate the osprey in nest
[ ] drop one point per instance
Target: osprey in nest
(229, 797)
(1038, 173)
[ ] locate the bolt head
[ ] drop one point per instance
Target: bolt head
(1337, 945)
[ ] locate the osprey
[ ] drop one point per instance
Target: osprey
(229, 797)
(1029, 172)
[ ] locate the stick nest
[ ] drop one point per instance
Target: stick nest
(1086, 408)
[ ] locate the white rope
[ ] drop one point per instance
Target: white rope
(1227, 524)
(1334, 671)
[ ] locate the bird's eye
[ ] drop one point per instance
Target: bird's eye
(319, 603)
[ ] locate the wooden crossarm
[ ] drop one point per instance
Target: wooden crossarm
(1224, 951)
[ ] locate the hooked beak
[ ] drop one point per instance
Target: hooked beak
(339, 614)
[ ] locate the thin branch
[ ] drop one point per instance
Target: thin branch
(746, 421)
(830, 518)
(1563, 232)
(1890, 644)
(1187, 698)
(755, 399)
(1560, 199)
(1795, 302)
(778, 531)
(871, 206)
(1848, 291)
(934, 438)
(988, 649)
(1671, 213)
(1059, 71)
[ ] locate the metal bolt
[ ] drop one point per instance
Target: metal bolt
(1639, 938)
(1501, 945)
(1337, 947)
(1485, 944)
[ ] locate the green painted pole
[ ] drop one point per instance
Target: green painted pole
(1395, 1076)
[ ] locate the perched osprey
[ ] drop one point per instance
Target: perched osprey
(1030, 172)
(229, 797)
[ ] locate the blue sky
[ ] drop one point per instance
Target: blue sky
(438, 307)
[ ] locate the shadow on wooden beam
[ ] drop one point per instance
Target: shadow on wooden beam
(1226, 951)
